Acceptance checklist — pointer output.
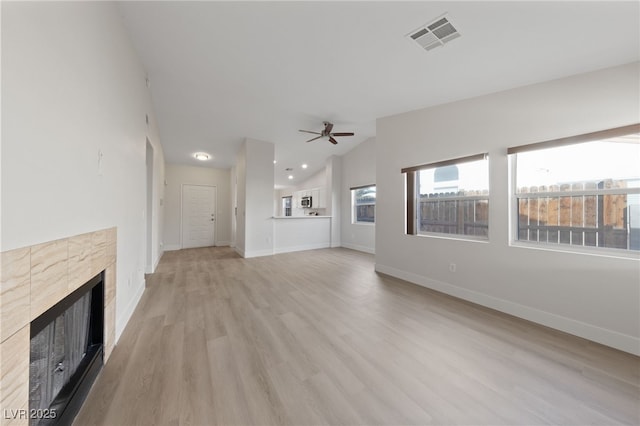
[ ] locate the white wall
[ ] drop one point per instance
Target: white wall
(241, 199)
(318, 180)
(301, 233)
(333, 171)
(592, 296)
(254, 165)
(72, 86)
(179, 175)
(358, 169)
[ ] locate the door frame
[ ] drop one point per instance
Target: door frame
(215, 223)
(149, 206)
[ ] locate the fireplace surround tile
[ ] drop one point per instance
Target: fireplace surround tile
(33, 279)
(112, 246)
(49, 275)
(109, 332)
(14, 378)
(15, 282)
(110, 284)
(99, 252)
(80, 253)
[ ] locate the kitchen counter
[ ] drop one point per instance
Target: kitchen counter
(296, 233)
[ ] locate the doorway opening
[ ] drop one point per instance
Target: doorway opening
(149, 215)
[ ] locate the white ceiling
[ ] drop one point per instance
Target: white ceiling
(224, 71)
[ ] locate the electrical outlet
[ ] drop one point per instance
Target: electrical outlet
(452, 267)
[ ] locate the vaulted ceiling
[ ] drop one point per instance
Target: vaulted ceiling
(224, 71)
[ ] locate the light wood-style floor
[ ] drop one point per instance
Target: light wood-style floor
(318, 337)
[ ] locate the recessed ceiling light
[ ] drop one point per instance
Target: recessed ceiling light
(202, 156)
(304, 166)
(275, 161)
(290, 176)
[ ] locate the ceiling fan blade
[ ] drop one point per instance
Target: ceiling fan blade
(308, 131)
(327, 127)
(343, 134)
(310, 140)
(333, 141)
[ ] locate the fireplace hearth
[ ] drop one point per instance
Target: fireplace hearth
(66, 354)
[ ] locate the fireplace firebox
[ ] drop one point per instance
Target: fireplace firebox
(66, 354)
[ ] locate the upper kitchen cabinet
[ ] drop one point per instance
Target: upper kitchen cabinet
(322, 198)
(318, 198)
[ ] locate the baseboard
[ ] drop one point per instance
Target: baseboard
(239, 250)
(125, 316)
(357, 247)
(301, 248)
(160, 254)
(157, 262)
(155, 265)
(335, 244)
(258, 253)
(173, 247)
(591, 332)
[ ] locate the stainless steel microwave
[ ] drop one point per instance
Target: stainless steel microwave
(306, 202)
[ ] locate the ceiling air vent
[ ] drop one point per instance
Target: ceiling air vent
(434, 34)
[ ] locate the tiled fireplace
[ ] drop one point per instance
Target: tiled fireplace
(32, 280)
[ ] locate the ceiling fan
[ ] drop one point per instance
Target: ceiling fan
(327, 133)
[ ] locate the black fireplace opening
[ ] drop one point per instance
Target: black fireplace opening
(66, 354)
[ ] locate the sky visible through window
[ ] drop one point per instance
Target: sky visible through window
(472, 176)
(617, 159)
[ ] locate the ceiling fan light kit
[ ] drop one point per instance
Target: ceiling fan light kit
(326, 133)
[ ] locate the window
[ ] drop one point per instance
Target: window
(579, 191)
(286, 205)
(363, 200)
(449, 197)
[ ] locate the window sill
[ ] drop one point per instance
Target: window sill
(364, 223)
(455, 237)
(579, 250)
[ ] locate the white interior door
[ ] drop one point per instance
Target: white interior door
(198, 216)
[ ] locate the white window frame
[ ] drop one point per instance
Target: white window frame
(560, 247)
(412, 191)
(354, 215)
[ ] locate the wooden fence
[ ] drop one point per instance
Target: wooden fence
(451, 213)
(584, 220)
(366, 213)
